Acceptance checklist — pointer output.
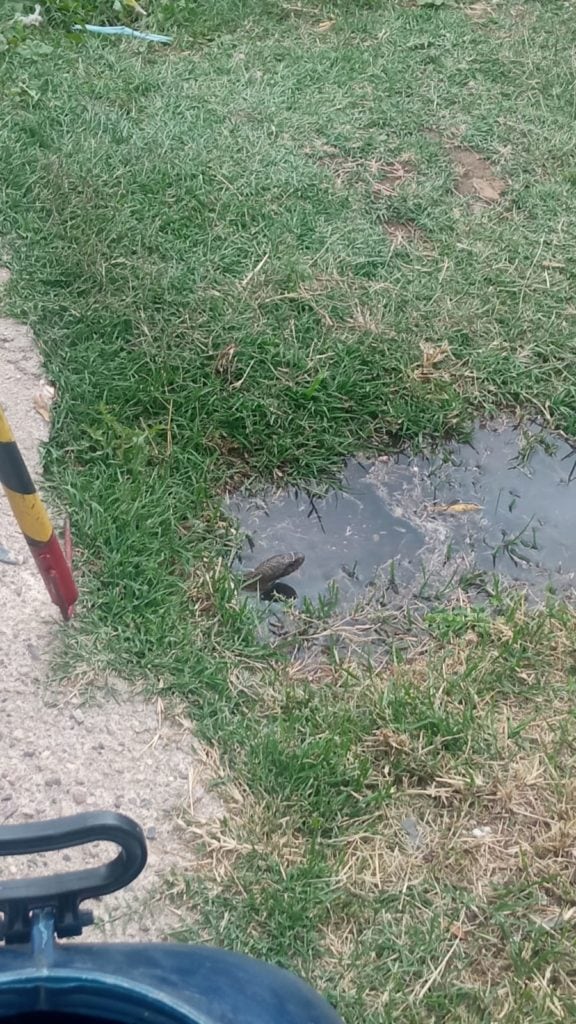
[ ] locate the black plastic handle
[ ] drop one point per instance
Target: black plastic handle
(64, 892)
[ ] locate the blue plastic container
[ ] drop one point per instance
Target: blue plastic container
(43, 981)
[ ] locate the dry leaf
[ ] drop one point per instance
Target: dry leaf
(31, 20)
(458, 931)
(325, 26)
(387, 739)
(486, 190)
(225, 358)
(43, 400)
(458, 506)
(432, 354)
(136, 7)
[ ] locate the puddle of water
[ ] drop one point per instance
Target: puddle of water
(390, 511)
(522, 529)
(345, 536)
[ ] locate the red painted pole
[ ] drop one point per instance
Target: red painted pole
(33, 520)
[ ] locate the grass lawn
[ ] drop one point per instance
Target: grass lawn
(236, 253)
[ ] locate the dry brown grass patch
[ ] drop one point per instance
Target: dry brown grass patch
(384, 177)
(479, 11)
(404, 234)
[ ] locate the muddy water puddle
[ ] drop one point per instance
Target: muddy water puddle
(399, 527)
(345, 536)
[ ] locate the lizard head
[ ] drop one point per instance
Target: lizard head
(296, 560)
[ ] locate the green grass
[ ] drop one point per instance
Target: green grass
(318, 871)
(143, 186)
(197, 237)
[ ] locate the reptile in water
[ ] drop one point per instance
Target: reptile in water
(271, 569)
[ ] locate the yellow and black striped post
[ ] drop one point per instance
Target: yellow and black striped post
(33, 520)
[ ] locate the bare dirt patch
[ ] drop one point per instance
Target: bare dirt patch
(475, 177)
(72, 747)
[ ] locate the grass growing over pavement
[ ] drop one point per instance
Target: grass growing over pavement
(232, 251)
